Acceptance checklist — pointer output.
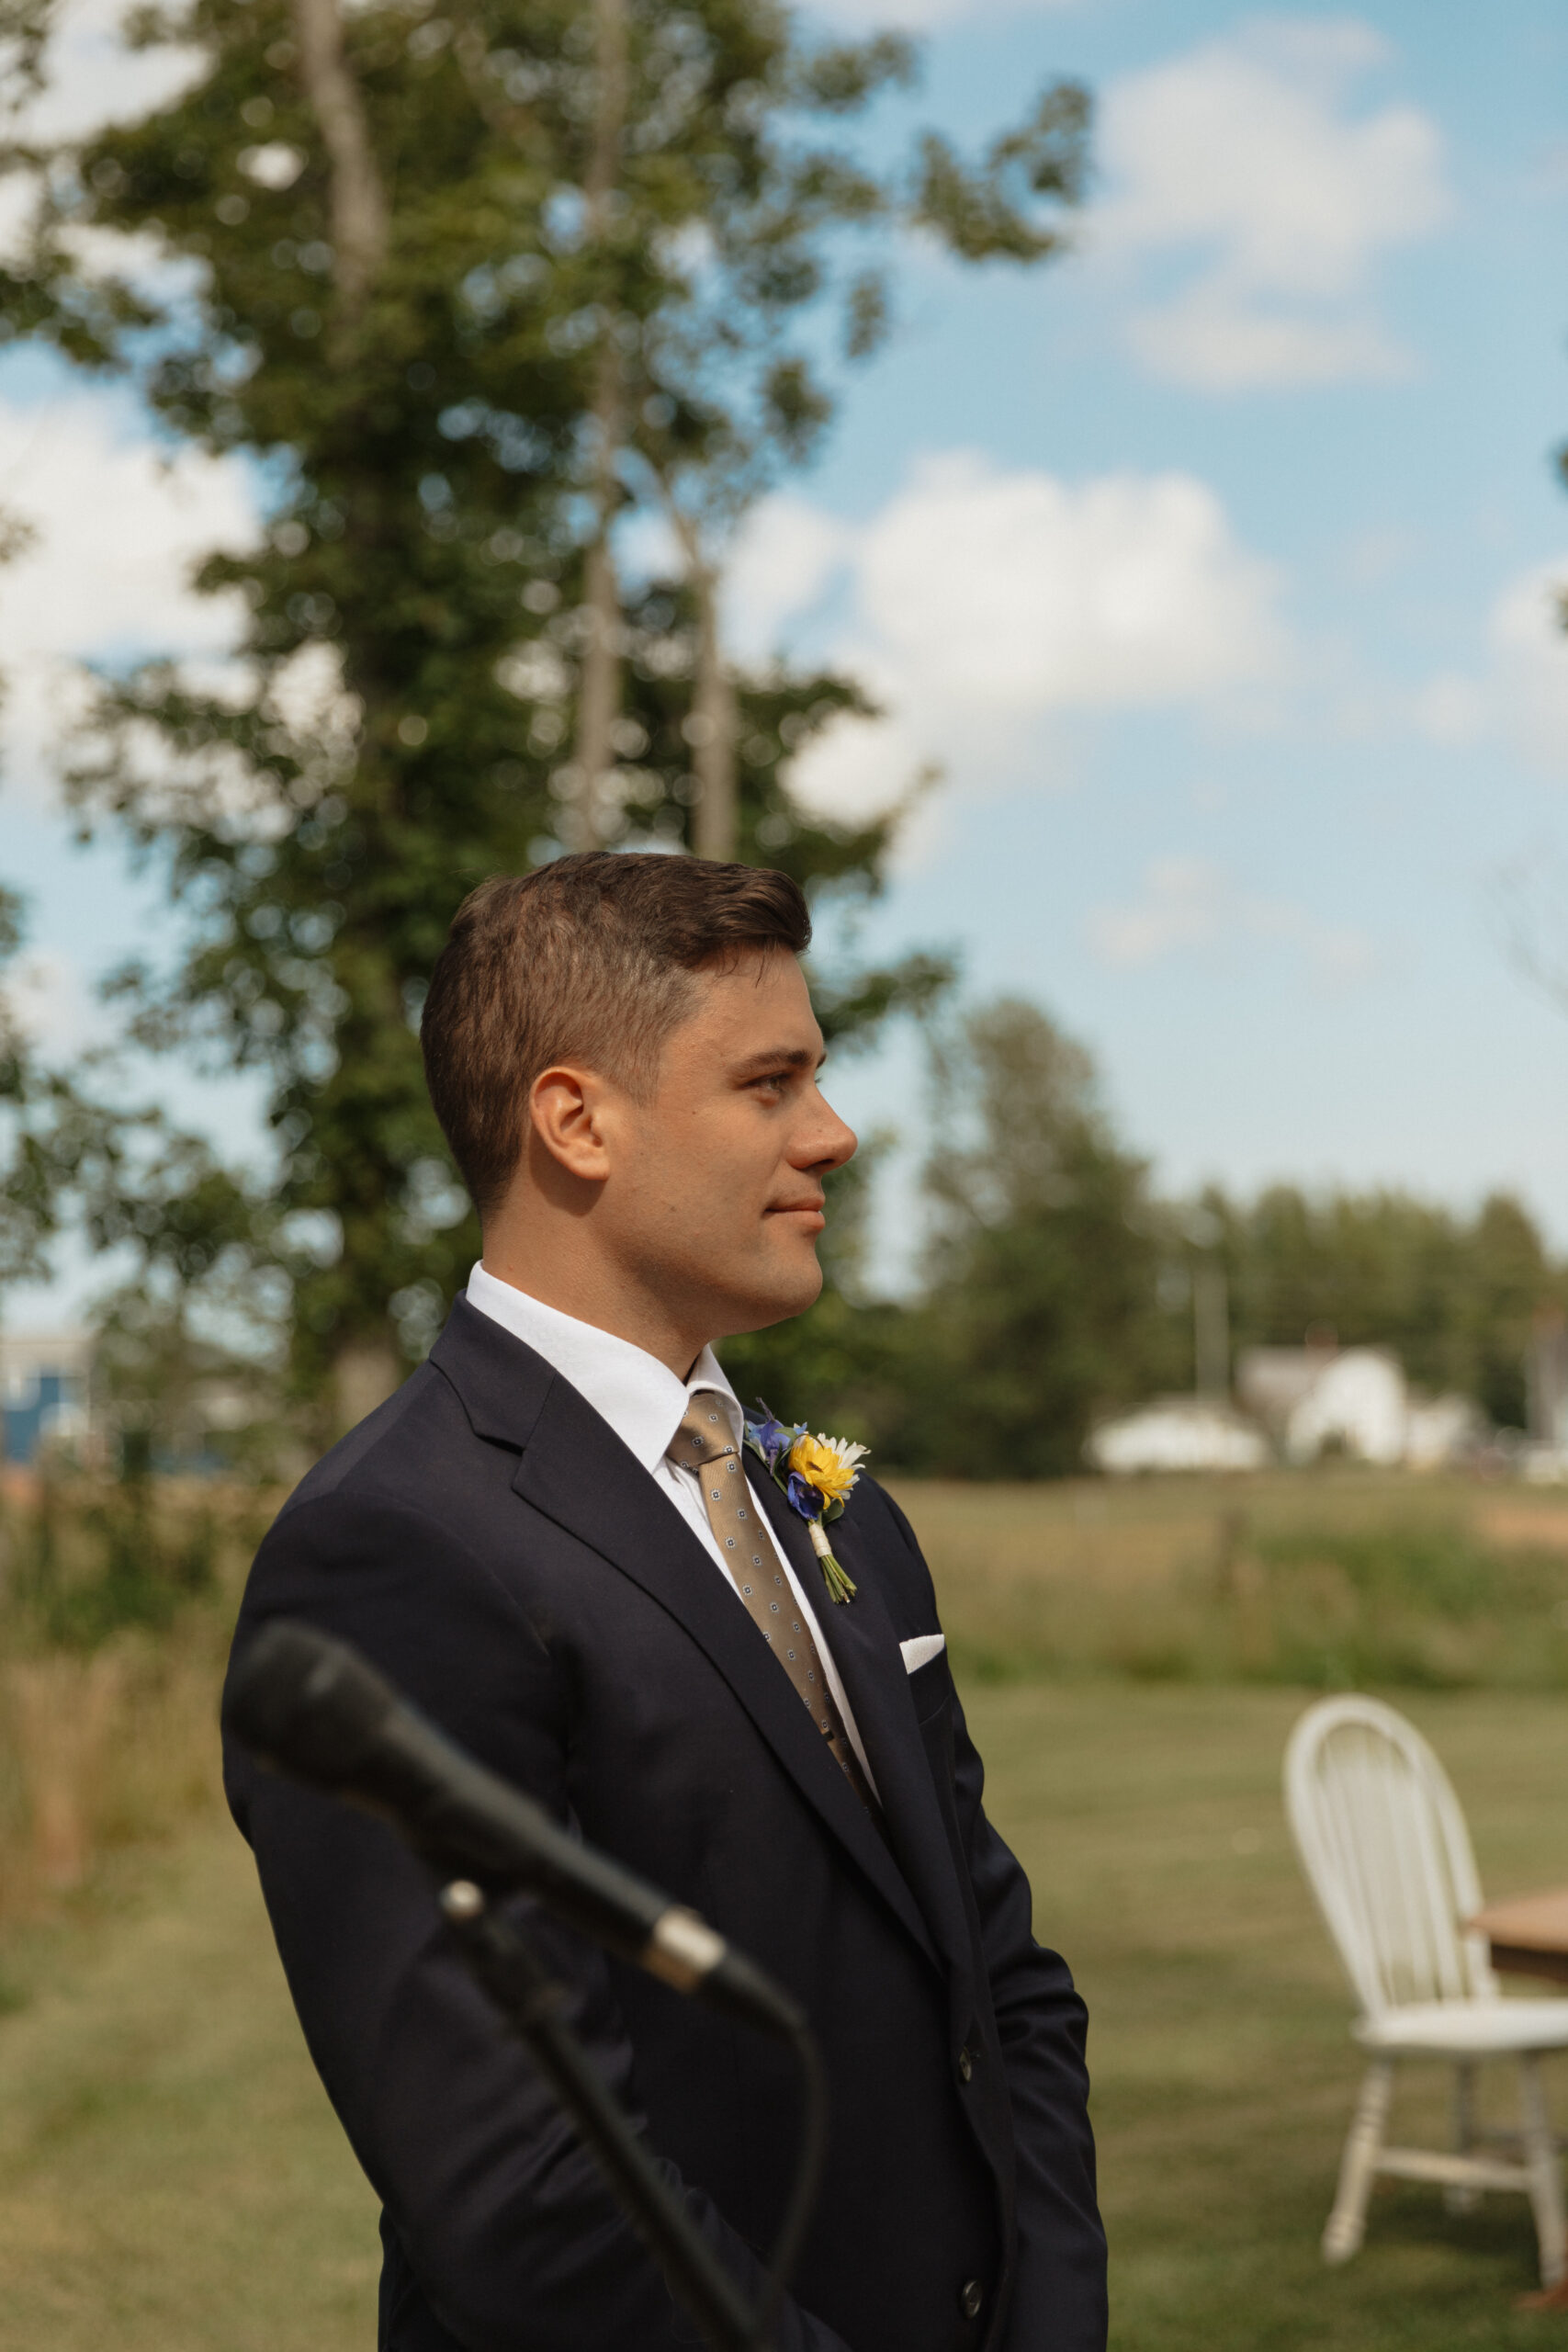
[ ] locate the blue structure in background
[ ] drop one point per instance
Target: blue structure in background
(31, 1420)
(43, 1395)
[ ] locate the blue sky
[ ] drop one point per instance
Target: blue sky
(1213, 565)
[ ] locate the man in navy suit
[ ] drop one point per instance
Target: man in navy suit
(553, 1539)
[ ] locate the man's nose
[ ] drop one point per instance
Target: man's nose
(828, 1142)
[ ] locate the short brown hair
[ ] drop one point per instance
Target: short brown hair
(589, 960)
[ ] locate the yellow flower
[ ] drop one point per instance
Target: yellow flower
(828, 1464)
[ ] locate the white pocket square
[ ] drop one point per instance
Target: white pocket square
(920, 1650)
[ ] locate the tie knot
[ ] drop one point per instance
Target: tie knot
(704, 1435)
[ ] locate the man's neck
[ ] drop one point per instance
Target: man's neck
(589, 1295)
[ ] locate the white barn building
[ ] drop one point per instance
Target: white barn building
(1177, 1433)
(1354, 1401)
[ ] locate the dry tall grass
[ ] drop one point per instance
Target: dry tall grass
(63, 1712)
(113, 1621)
(116, 1602)
(1316, 1579)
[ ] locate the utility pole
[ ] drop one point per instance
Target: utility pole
(1211, 1328)
(1210, 1306)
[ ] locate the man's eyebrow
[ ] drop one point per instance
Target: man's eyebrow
(782, 1058)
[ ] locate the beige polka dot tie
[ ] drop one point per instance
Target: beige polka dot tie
(703, 1443)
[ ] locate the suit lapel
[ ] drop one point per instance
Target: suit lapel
(576, 1471)
(860, 1636)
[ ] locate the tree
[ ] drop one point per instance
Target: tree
(1454, 1297)
(701, 393)
(1038, 1311)
(27, 1210)
(412, 285)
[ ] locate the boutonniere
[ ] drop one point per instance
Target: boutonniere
(819, 1475)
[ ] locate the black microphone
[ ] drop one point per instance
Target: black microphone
(317, 1710)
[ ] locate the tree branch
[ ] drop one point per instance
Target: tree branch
(359, 218)
(712, 727)
(599, 682)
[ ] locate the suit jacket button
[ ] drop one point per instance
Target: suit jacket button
(965, 2063)
(971, 2295)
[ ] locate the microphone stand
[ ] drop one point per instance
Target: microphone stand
(531, 2001)
(315, 1709)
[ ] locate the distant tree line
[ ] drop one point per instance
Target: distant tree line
(1057, 1284)
(1454, 1296)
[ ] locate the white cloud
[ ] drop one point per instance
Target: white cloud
(1514, 695)
(1451, 711)
(92, 78)
(979, 603)
(1211, 339)
(1371, 556)
(53, 1006)
(118, 528)
(1008, 593)
(1245, 158)
(784, 557)
(1529, 658)
(857, 768)
(928, 15)
(1190, 903)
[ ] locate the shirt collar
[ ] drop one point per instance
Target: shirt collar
(641, 1398)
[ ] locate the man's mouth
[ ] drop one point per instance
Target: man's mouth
(815, 1209)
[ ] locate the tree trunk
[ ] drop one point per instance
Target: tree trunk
(609, 108)
(358, 204)
(715, 820)
(712, 727)
(599, 677)
(599, 681)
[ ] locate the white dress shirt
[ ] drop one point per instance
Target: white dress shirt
(643, 1401)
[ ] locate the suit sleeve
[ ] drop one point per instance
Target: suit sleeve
(512, 2235)
(1059, 2301)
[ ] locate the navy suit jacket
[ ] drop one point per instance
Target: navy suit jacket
(489, 1542)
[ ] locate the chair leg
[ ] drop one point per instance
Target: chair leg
(1463, 2201)
(1546, 2180)
(1358, 2165)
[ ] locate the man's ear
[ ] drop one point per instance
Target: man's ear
(566, 1110)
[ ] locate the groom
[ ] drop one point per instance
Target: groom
(551, 1538)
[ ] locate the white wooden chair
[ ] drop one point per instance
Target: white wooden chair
(1386, 1848)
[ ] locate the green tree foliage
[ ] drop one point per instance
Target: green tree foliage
(26, 1209)
(1454, 1296)
(1038, 1310)
(401, 252)
(185, 1232)
(703, 382)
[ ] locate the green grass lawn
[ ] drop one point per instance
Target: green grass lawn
(171, 2177)
(1151, 1824)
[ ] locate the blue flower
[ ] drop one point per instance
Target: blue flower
(770, 1438)
(804, 1496)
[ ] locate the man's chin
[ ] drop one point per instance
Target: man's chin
(778, 1300)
